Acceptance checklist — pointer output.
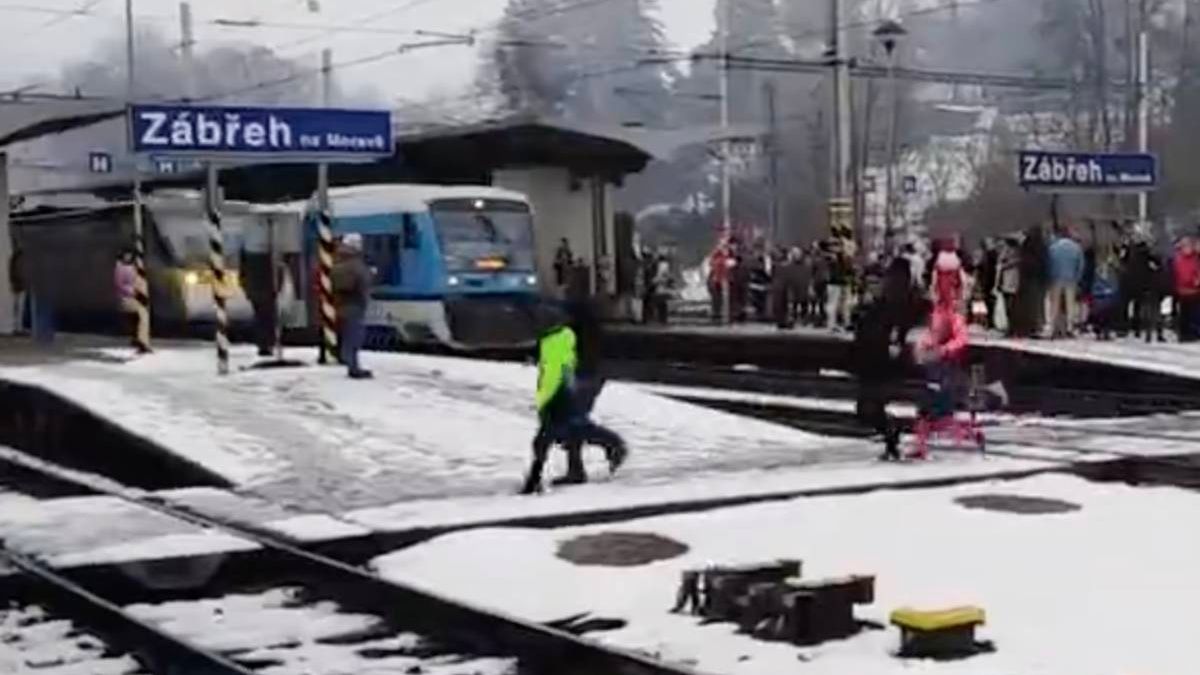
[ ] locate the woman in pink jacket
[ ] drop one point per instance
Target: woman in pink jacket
(125, 287)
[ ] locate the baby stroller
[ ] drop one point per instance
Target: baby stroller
(950, 407)
(951, 402)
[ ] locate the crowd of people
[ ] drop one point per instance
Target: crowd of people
(1046, 282)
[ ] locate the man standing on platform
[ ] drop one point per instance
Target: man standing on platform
(1066, 263)
(352, 283)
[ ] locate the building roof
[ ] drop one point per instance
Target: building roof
(26, 118)
(525, 140)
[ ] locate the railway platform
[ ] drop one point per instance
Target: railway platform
(1120, 365)
(266, 493)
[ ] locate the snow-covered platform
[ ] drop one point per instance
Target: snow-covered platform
(814, 347)
(1107, 588)
(1161, 358)
(425, 427)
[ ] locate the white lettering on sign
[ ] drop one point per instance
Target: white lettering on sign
(153, 134)
(211, 131)
(1062, 170)
(344, 142)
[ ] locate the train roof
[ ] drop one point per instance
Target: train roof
(363, 200)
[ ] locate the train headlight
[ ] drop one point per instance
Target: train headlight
(531, 280)
(191, 278)
(453, 281)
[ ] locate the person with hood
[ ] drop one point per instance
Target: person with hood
(568, 384)
(877, 362)
(1185, 269)
(1065, 264)
(352, 282)
(942, 351)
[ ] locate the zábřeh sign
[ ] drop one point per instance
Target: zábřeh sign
(1083, 171)
(243, 131)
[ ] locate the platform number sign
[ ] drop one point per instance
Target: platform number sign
(100, 162)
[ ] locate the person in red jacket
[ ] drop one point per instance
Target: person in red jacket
(1185, 268)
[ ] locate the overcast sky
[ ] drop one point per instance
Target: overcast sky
(34, 45)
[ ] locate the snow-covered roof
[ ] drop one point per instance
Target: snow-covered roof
(365, 200)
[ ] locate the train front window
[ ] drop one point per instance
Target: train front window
(484, 234)
(382, 252)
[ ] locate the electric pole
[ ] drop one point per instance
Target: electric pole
(1143, 109)
(841, 204)
(772, 149)
(726, 179)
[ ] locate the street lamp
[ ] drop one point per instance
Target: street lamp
(890, 33)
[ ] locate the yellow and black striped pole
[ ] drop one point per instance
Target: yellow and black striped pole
(329, 337)
(216, 259)
(841, 224)
(141, 289)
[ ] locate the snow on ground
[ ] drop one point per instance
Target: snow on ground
(293, 635)
(32, 641)
(78, 530)
(1109, 589)
(425, 427)
(762, 483)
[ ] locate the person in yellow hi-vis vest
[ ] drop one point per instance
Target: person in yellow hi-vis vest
(564, 415)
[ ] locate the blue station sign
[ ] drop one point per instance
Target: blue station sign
(1063, 171)
(216, 132)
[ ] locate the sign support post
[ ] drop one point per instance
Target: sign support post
(141, 291)
(328, 337)
(220, 286)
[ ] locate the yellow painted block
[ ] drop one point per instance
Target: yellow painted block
(912, 619)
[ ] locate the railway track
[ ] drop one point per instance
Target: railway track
(429, 633)
(1043, 400)
(1182, 470)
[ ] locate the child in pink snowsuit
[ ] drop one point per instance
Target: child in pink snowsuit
(943, 350)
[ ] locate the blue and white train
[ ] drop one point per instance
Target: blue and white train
(454, 265)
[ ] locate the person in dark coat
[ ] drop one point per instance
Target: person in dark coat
(17, 282)
(584, 320)
(1142, 285)
(986, 280)
(822, 265)
(782, 300)
(899, 298)
(800, 281)
(877, 364)
(1031, 295)
(563, 260)
(352, 281)
(261, 284)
